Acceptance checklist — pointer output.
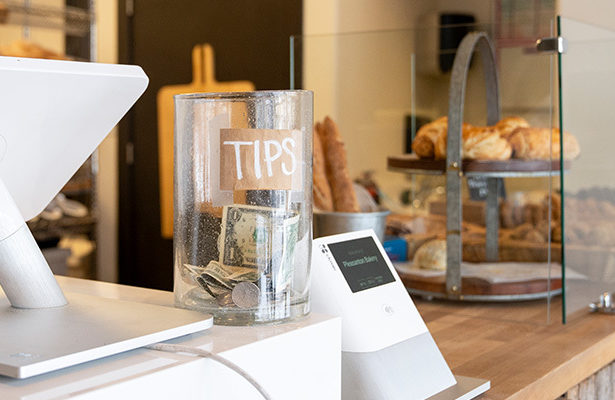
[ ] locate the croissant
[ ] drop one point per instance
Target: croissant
(507, 125)
(538, 144)
(485, 143)
(430, 140)
(478, 143)
(427, 136)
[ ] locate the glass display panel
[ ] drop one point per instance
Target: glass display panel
(381, 88)
(587, 97)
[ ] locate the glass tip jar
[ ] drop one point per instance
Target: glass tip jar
(243, 205)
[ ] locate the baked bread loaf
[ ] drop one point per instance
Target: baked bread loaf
(506, 126)
(542, 144)
(478, 143)
(427, 136)
(342, 190)
(321, 189)
(431, 255)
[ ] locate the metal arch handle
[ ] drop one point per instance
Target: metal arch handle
(471, 42)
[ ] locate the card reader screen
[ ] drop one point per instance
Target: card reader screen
(361, 263)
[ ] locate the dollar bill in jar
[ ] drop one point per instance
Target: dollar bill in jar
(259, 237)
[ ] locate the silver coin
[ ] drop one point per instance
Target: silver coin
(245, 295)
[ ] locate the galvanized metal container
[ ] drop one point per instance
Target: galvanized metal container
(331, 223)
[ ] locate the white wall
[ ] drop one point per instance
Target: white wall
(589, 89)
(364, 80)
(356, 78)
(597, 12)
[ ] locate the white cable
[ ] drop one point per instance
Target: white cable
(178, 348)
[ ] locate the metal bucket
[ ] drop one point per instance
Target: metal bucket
(331, 223)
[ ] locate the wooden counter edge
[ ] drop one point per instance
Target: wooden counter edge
(569, 374)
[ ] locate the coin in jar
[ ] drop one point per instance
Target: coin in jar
(245, 295)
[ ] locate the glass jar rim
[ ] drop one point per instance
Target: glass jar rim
(232, 96)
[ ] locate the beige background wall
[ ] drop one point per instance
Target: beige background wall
(107, 182)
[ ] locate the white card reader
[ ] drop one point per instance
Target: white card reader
(387, 350)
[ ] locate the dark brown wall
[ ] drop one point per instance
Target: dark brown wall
(251, 42)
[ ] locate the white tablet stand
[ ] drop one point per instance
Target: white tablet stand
(387, 350)
(24, 273)
(53, 115)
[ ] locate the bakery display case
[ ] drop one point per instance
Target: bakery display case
(476, 204)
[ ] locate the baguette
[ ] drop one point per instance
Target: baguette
(344, 197)
(321, 189)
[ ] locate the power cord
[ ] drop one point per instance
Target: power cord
(178, 348)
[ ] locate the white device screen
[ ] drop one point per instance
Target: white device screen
(361, 263)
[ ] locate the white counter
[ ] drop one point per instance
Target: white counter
(298, 360)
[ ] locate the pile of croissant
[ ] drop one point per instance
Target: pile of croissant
(512, 137)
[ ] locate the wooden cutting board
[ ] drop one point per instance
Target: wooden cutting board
(203, 80)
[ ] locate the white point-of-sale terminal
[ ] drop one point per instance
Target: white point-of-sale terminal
(53, 115)
(387, 350)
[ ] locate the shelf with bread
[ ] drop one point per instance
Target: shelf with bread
(529, 238)
(510, 148)
(492, 260)
(72, 20)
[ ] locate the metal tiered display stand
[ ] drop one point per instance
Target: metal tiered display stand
(455, 168)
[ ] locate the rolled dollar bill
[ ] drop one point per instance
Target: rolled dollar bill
(217, 274)
(285, 268)
(218, 280)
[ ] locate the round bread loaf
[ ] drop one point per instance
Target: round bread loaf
(431, 255)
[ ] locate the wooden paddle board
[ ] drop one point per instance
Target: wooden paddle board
(203, 81)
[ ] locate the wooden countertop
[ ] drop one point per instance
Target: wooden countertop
(513, 346)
